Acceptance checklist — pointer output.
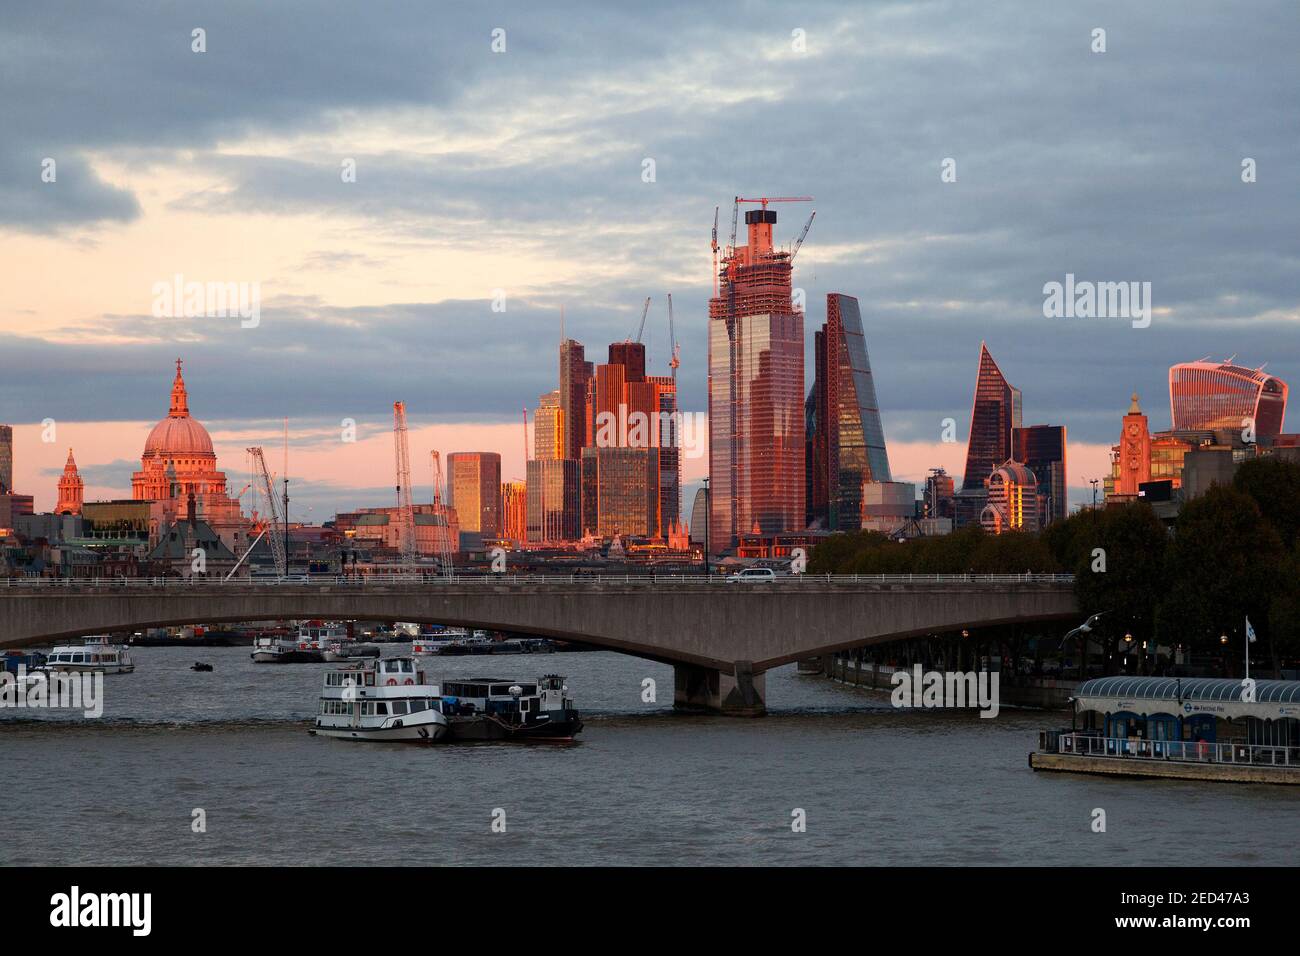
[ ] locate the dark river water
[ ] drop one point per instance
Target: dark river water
(643, 785)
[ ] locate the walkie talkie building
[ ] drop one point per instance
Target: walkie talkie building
(1210, 395)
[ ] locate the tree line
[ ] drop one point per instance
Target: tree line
(1232, 553)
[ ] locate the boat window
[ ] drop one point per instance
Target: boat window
(78, 658)
(530, 690)
(381, 707)
(399, 707)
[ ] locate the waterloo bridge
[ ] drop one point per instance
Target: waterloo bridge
(720, 637)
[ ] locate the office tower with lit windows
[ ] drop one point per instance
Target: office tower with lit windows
(548, 427)
(474, 490)
(756, 391)
(552, 489)
(848, 443)
(1041, 449)
(631, 467)
(995, 414)
(575, 371)
(6, 459)
(1219, 395)
(514, 511)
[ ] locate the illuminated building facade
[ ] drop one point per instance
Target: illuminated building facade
(1012, 501)
(848, 441)
(72, 490)
(994, 416)
(548, 427)
(1212, 395)
(514, 511)
(621, 491)
(474, 490)
(575, 373)
(1041, 449)
(178, 461)
(631, 467)
(756, 392)
(1132, 456)
(553, 500)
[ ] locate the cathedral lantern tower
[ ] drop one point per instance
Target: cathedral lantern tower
(72, 490)
(1134, 451)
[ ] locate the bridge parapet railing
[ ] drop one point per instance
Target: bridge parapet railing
(434, 579)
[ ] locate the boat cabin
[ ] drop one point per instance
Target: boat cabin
(1187, 718)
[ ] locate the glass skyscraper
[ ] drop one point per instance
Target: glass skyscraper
(1041, 449)
(6, 459)
(848, 445)
(994, 416)
(552, 500)
(1212, 395)
(756, 392)
(474, 490)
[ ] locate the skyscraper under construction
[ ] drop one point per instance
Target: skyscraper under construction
(756, 389)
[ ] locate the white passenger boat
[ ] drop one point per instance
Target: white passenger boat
(319, 635)
(95, 654)
(274, 649)
(432, 642)
(384, 700)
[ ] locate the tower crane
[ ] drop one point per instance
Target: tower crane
(444, 540)
(278, 526)
(803, 235)
(405, 510)
(715, 252)
(645, 310)
(764, 200)
(676, 359)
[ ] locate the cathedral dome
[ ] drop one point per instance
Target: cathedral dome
(178, 435)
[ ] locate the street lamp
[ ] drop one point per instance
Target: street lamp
(708, 507)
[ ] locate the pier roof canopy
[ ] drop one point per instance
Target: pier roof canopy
(1188, 696)
(1189, 688)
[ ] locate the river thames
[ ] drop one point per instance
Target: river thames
(642, 786)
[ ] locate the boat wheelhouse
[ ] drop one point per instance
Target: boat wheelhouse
(96, 654)
(385, 700)
(1189, 727)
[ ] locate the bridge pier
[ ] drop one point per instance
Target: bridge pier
(704, 689)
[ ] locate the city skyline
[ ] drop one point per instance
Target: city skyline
(368, 291)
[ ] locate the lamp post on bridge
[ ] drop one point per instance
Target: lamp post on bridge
(708, 507)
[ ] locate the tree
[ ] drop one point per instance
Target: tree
(1274, 484)
(1222, 566)
(1118, 555)
(1284, 611)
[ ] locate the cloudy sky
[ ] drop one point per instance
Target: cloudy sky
(522, 171)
